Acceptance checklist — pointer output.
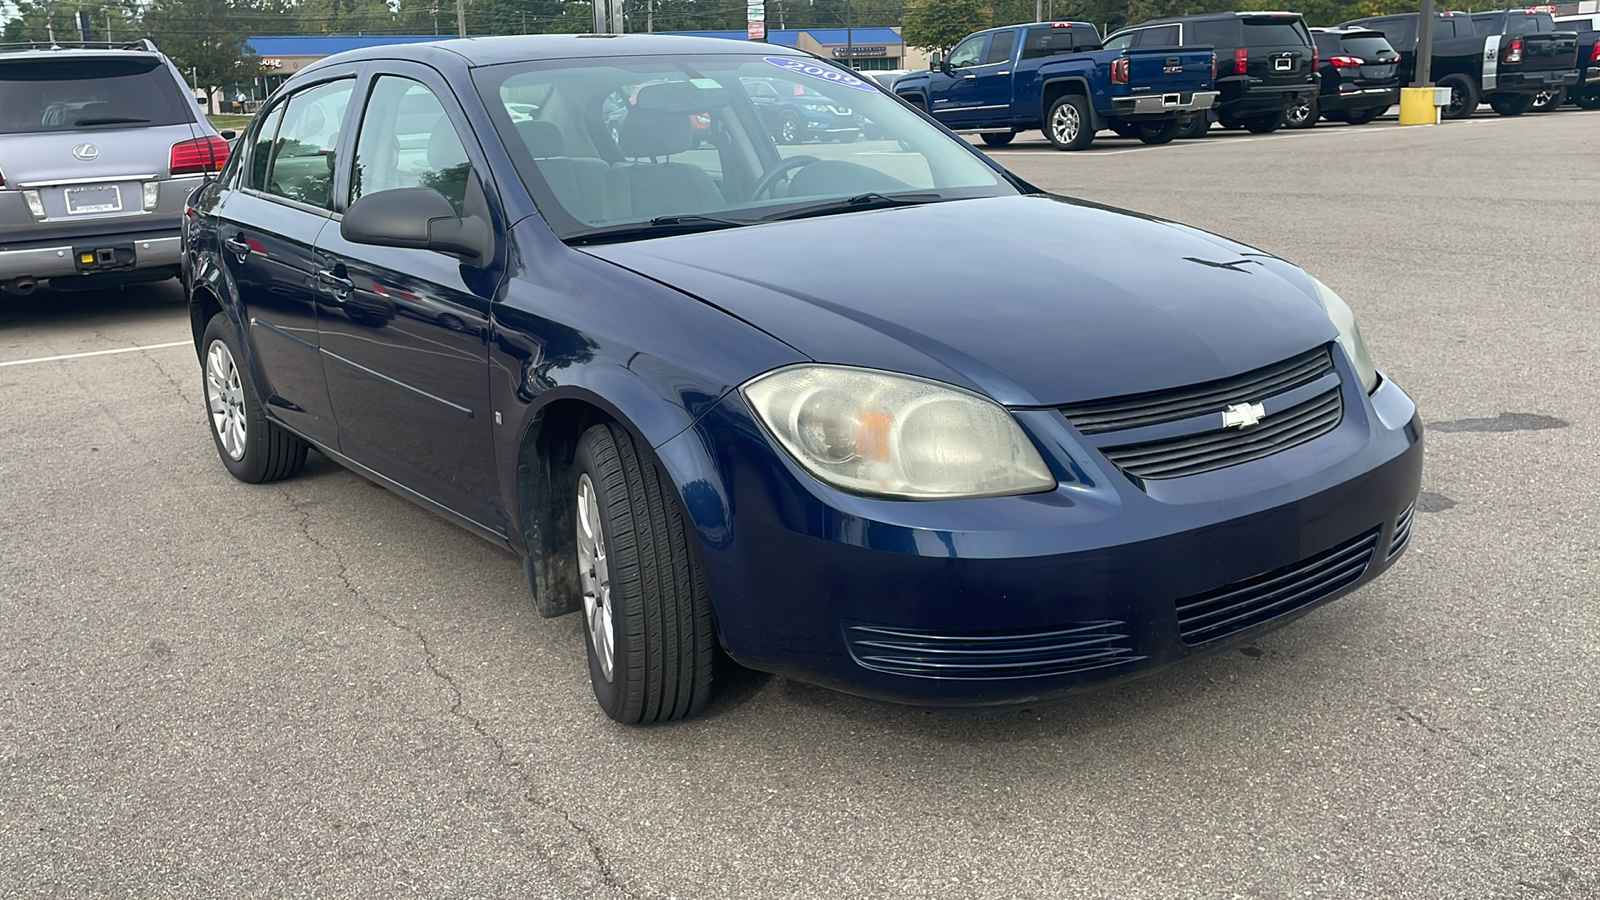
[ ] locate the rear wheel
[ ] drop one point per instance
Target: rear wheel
(998, 138)
(1302, 112)
(1159, 132)
(1363, 116)
(1266, 124)
(1589, 98)
(647, 614)
(1068, 123)
(1197, 126)
(252, 449)
(1230, 123)
(1463, 97)
(1545, 101)
(1511, 104)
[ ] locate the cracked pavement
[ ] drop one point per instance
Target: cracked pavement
(318, 689)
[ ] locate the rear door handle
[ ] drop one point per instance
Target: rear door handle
(340, 287)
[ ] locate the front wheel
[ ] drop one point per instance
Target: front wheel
(1159, 132)
(1362, 117)
(1266, 124)
(1545, 101)
(1511, 104)
(647, 613)
(1195, 127)
(252, 449)
(1068, 123)
(998, 138)
(1302, 112)
(789, 128)
(1463, 97)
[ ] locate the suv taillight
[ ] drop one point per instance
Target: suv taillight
(1344, 62)
(1241, 61)
(1594, 56)
(1119, 70)
(1313, 59)
(205, 154)
(1513, 53)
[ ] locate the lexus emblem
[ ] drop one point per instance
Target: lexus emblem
(1243, 415)
(86, 151)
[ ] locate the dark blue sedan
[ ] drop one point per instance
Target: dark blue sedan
(706, 389)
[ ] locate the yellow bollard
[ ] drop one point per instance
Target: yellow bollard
(1416, 107)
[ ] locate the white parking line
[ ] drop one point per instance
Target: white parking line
(45, 359)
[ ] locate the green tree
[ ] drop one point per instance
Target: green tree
(203, 38)
(35, 20)
(938, 24)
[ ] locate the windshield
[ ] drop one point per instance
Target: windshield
(72, 93)
(690, 142)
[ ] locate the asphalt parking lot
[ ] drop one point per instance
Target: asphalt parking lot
(317, 689)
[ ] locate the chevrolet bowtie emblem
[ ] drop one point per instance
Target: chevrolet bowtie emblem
(1243, 415)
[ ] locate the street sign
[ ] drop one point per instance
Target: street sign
(758, 31)
(757, 12)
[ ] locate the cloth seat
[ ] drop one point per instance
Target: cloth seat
(645, 188)
(577, 182)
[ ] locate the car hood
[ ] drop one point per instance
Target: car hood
(1033, 300)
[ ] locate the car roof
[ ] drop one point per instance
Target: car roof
(78, 50)
(1198, 17)
(489, 51)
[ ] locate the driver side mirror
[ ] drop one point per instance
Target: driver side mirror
(418, 218)
(936, 61)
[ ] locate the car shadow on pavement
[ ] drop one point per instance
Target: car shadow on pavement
(133, 304)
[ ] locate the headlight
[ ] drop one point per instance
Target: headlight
(1349, 334)
(871, 432)
(814, 107)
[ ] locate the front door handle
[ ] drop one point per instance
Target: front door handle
(968, 77)
(238, 245)
(339, 287)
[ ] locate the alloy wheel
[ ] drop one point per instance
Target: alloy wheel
(1064, 124)
(595, 573)
(790, 131)
(225, 399)
(1298, 112)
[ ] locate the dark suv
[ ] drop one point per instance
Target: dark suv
(1360, 78)
(99, 146)
(1265, 62)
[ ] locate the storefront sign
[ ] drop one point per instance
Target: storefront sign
(856, 52)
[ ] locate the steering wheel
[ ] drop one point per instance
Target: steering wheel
(771, 178)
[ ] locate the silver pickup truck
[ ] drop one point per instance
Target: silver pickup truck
(100, 144)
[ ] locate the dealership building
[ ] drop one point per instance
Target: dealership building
(872, 48)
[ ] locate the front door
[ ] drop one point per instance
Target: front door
(268, 226)
(405, 332)
(953, 95)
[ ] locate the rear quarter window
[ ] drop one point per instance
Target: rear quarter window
(1223, 34)
(72, 94)
(1275, 32)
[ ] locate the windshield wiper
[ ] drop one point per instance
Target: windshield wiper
(660, 226)
(110, 120)
(870, 200)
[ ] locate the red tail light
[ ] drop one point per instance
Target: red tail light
(1313, 59)
(1213, 64)
(199, 155)
(1345, 62)
(1119, 70)
(1240, 61)
(1513, 53)
(1594, 56)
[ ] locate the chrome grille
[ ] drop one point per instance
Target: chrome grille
(975, 656)
(1135, 410)
(1195, 453)
(1243, 604)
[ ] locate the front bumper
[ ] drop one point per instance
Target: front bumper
(1359, 99)
(997, 602)
(1157, 104)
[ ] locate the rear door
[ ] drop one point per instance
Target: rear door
(268, 226)
(405, 332)
(1277, 49)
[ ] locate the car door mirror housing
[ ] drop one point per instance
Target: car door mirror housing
(416, 218)
(936, 60)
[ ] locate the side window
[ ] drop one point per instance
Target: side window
(1327, 45)
(1160, 36)
(1120, 42)
(261, 151)
(302, 164)
(1000, 47)
(966, 52)
(406, 140)
(1222, 35)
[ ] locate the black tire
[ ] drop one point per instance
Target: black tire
(1164, 132)
(846, 137)
(998, 138)
(1197, 126)
(1463, 97)
(1363, 116)
(1588, 98)
(1123, 128)
(1302, 112)
(789, 130)
(1266, 124)
(663, 639)
(265, 452)
(1510, 104)
(1548, 101)
(1069, 125)
(1230, 123)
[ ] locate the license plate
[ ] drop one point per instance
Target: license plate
(93, 198)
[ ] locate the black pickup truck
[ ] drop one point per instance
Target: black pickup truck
(1507, 61)
(1586, 93)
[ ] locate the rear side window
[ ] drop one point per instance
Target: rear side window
(1327, 44)
(1223, 34)
(1365, 47)
(1275, 32)
(1000, 47)
(302, 164)
(42, 95)
(1120, 42)
(1538, 23)
(1160, 36)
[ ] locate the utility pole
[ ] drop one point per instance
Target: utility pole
(461, 17)
(108, 26)
(1038, 10)
(436, 20)
(1424, 46)
(849, 42)
(649, 16)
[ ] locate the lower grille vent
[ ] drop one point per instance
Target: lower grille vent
(1023, 654)
(1402, 531)
(1243, 604)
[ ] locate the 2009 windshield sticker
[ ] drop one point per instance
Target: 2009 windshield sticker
(801, 67)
